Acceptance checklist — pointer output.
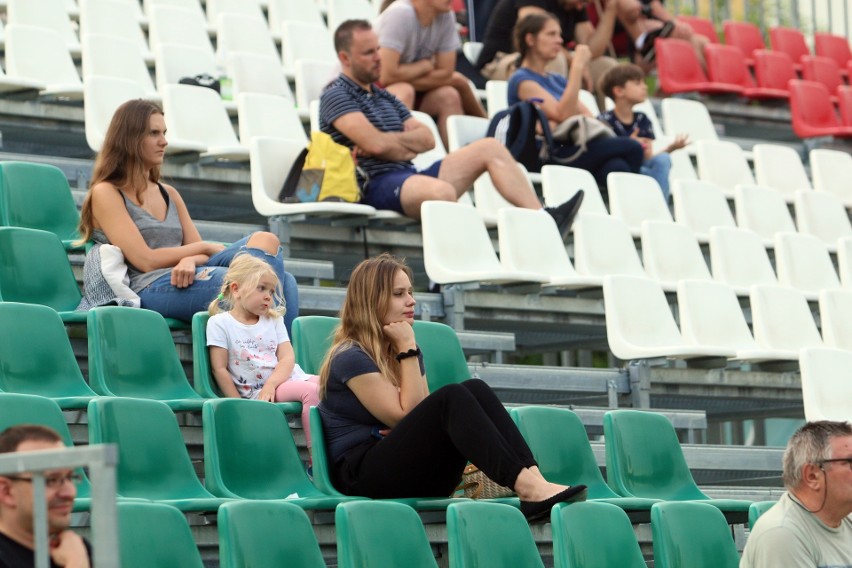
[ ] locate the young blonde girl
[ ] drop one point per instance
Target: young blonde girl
(250, 352)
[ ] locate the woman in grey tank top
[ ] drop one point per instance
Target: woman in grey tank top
(171, 268)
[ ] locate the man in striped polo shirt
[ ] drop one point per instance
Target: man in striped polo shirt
(385, 137)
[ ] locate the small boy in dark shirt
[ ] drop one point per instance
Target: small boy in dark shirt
(625, 84)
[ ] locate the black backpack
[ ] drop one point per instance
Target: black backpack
(515, 128)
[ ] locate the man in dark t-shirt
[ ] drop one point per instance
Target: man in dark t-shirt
(17, 540)
(497, 56)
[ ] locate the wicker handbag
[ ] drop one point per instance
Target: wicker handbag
(476, 485)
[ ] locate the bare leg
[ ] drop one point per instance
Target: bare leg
(470, 102)
(418, 188)
(441, 102)
(404, 92)
(462, 167)
(267, 242)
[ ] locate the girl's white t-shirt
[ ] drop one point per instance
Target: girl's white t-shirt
(251, 350)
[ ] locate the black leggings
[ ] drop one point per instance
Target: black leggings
(424, 455)
(606, 155)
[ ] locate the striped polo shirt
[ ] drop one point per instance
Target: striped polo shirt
(382, 109)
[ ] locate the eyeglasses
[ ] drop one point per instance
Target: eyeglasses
(847, 461)
(51, 481)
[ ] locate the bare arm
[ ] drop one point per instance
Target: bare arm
(395, 72)
(445, 66)
(111, 216)
(281, 373)
(598, 37)
(568, 104)
(68, 549)
(219, 367)
(391, 146)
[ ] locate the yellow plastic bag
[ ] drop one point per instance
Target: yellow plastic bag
(325, 171)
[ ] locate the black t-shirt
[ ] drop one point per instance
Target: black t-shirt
(15, 555)
(498, 33)
(346, 422)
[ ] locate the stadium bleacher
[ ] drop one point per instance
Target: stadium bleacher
(726, 280)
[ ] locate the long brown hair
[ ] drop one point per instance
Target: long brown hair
(364, 308)
(119, 161)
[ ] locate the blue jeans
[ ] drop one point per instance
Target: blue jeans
(658, 167)
(182, 303)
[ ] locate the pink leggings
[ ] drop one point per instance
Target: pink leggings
(306, 392)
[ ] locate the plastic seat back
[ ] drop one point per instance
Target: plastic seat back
(47, 14)
(319, 454)
(268, 115)
(812, 110)
(710, 314)
(739, 259)
(531, 243)
(302, 40)
(145, 528)
(487, 199)
(462, 130)
(634, 198)
(239, 32)
(37, 196)
(198, 116)
(762, 210)
(175, 61)
(700, 205)
(31, 409)
(560, 183)
(255, 533)
(835, 311)
(249, 9)
(691, 535)
(684, 116)
(670, 252)
(425, 159)
(496, 96)
(825, 388)
(781, 319)
(41, 54)
(822, 214)
(490, 534)
(727, 64)
(790, 41)
(153, 460)
(178, 26)
(833, 46)
(102, 96)
(253, 73)
(49, 281)
(822, 70)
(701, 26)
(312, 76)
(132, 353)
(560, 445)
(240, 463)
(341, 10)
(443, 356)
(594, 535)
(757, 509)
(844, 102)
(724, 164)
(282, 10)
(117, 19)
(381, 533)
(780, 167)
(36, 356)
(830, 169)
(644, 457)
(312, 336)
(603, 245)
(745, 36)
(203, 380)
(773, 69)
(678, 67)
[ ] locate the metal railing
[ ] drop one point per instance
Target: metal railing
(100, 461)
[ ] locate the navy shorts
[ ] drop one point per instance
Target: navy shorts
(382, 192)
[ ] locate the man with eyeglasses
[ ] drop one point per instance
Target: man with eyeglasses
(17, 540)
(811, 525)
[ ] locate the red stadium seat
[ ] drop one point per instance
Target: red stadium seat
(680, 71)
(701, 26)
(744, 36)
(726, 64)
(791, 41)
(844, 101)
(813, 112)
(835, 47)
(822, 70)
(773, 71)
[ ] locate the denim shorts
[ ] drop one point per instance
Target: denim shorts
(383, 192)
(182, 303)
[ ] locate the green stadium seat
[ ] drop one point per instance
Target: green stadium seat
(489, 534)
(153, 462)
(560, 445)
(381, 533)
(443, 356)
(32, 409)
(644, 459)
(593, 535)
(202, 376)
(756, 510)
(311, 339)
(322, 472)
(132, 353)
(37, 196)
(153, 534)
(691, 535)
(34, 269)
(36, 356)
(266, 533)
(249, 453)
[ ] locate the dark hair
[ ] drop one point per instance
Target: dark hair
(343, 33)
(385, 5)
(11, 438)
(619, 76)
(531, 24)
(810, 445)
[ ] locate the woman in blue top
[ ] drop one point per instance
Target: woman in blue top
(538, 39)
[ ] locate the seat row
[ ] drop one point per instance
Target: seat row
(373, 533)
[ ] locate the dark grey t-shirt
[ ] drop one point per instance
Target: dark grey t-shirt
(346, 422)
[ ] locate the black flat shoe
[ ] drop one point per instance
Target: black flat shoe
(538, 510)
